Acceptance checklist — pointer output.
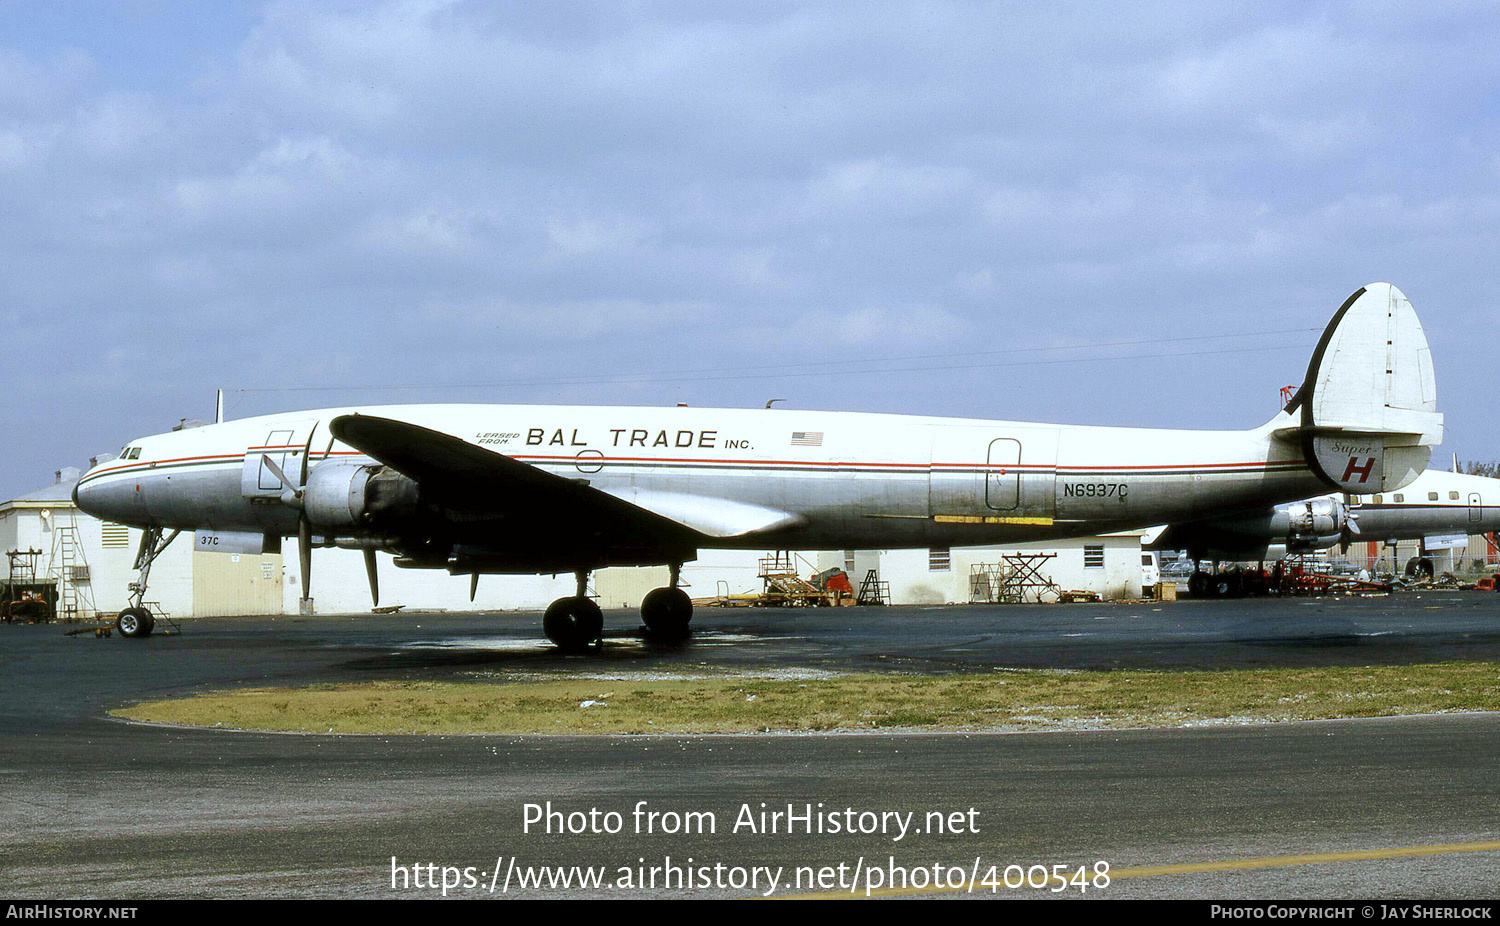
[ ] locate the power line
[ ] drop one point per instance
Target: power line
(824, 367)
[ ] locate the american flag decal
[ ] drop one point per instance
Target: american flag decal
(807, 438)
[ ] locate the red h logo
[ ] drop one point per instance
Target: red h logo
(1354, 467)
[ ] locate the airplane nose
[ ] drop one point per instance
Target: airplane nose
(110, 500)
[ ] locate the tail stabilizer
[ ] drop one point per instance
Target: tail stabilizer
(1368, 406)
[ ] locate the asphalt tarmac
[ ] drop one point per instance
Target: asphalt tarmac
(92, 807)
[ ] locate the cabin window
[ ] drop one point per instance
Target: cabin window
(1453, 496)
(1432, 496)
(1400, 498)
(1377, 499)
(1093, 557)
(939, 559)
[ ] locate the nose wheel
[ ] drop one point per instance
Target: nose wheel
(135, 622)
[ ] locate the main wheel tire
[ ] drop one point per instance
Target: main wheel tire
(135, 622)
(1419, 568)
(1198, 584)
(1222, 585)
(666, 613)
(573, 623)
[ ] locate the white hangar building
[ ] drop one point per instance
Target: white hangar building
(92, 563)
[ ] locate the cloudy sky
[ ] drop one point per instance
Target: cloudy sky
(1093, 213)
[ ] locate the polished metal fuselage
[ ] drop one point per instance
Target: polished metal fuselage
(849, 480)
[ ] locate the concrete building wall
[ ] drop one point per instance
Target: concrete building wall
(109, 551)
(339, 585)
(913, 581)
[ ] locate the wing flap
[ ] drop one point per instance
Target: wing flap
(713, 517)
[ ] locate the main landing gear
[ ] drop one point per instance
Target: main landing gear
(574, 624)
(1219, 583)
(667, 611)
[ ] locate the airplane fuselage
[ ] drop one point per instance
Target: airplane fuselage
(845, 479)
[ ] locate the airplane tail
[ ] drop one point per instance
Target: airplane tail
(1368, 407)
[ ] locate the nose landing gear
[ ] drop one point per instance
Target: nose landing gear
(137, 619)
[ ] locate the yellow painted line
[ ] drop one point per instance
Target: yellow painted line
(1155, 871)
(994, 519)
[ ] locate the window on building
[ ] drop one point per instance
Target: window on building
(1093, 557)
(939, 560)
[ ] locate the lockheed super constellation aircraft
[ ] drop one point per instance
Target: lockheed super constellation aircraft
(1438, 508)
(534, 489)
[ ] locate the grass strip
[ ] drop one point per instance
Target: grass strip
(1018, 700)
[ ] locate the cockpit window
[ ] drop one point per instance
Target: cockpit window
(131, 453)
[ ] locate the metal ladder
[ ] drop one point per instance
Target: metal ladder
(75, 597)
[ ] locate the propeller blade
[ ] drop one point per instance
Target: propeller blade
(270, 464)
(473, 586)
(374, 579)
(304, 555)
(307, 457)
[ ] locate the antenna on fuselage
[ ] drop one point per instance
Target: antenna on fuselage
(219, 408)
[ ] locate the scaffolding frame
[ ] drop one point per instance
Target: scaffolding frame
(783, 585)
(1016, 579)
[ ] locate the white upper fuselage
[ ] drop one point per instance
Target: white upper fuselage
(840, 479)
(1437, 502)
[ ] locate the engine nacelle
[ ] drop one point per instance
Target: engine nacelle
(1315, 524)
(344, 496)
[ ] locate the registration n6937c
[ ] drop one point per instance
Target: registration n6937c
(1096, 490)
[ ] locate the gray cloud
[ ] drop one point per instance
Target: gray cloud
(426, 192)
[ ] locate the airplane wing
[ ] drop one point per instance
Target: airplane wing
(454, 472)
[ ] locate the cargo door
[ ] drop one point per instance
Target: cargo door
(286, 446)
(1002, 482)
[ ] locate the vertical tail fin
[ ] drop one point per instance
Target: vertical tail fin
(1368, 407)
